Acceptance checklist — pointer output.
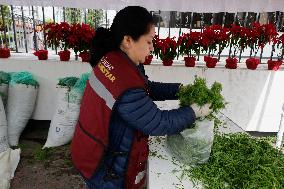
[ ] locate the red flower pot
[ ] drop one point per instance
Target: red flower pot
(210, 61)
(85, 56)
(252, 63)
(41, 54)
(274, 64)
(64, 55)
(167, 62)
(148, 60)
(189, 61)
(5, 53)
(231, 63)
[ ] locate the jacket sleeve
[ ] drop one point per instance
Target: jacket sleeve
(160, 91)
(163, 91)
(140, 112)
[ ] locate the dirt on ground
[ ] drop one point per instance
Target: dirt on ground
(44, 169)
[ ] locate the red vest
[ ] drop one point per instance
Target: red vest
(113, 75)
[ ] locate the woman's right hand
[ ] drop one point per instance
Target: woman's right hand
(201, 111)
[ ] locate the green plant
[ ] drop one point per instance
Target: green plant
(42, 154)
(199, 93)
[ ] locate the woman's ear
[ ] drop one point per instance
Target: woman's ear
(126, 42)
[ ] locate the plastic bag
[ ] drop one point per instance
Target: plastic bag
(193, 146)
(3, 129)
(20, 106)
(66, 115)
(4, 93)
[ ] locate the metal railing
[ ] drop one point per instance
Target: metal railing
(23, 28)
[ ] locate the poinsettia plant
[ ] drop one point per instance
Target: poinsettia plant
(188, 43)
(80, 37)
(260, 35)
(239, 39)
(58, 34)
(166, 48)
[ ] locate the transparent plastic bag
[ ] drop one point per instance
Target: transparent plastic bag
(193, 146)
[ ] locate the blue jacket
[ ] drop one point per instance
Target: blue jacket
(136, 110)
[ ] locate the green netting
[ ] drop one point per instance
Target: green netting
(4, 77)
(23, 78)
(68, 81)
(81, 83)
(78, 89)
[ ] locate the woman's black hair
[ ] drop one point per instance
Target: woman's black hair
(133, 21)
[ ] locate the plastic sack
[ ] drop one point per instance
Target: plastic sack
(4, 82)
(193, 146)
(20, 106)
(64, 120)
(9, 161)
(4, 145)
(4, 93)
(4, 77)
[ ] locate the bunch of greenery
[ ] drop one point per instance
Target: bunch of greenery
(199, 93)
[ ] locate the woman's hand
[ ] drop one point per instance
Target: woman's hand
(201, 111)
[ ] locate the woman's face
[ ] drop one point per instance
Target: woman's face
(138, 50)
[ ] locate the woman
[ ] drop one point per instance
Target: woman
(117, 113)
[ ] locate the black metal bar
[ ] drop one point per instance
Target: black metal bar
(273, 49)
(85, 16)
(159, 24)
(106, 20)
(278, 19)
(53, 14)
(244, 19)
(258, 17)
(213, 18)
(223, 19)
(202, 21)
(179, 32)
(240, 55)
(236, 18)
(43, 21)
(191, 20)
(261, 52)
(24, 29)
(64, 16)
(14, 28)
(170, 24)
(34, 24)
(4, 25)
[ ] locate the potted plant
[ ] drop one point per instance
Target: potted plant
(80, 39)
(4, 52)
(85, 56)
(167, 50)
(252, 63)
(208, 44)
(259, 36)
(41, 54)
(57, 36)
(187, 43)
(231, 63)
(210, 61)
(274, 64)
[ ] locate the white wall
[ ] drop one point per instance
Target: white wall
(255, 97)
